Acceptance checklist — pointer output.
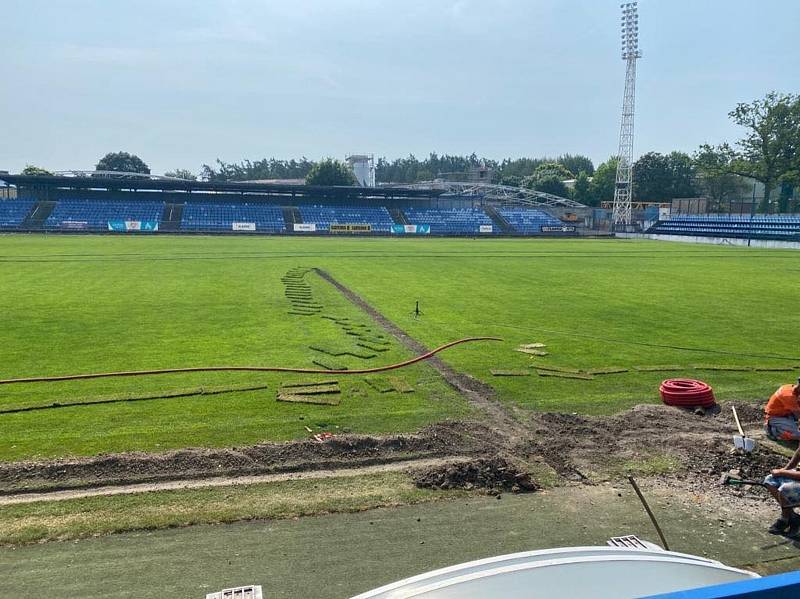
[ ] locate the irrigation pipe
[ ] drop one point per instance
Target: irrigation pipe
(101, 375)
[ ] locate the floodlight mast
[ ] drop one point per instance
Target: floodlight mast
(623, 189)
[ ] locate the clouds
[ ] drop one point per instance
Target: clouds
(183, 82)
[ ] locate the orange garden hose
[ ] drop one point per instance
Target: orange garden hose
(100, 375)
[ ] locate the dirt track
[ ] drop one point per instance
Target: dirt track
(224, 481)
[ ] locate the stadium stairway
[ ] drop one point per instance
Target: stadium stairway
(171, 217)
(38, 214)
(398, 216)
(291, 215)
(498, 220)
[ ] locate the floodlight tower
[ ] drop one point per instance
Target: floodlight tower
(623, 190)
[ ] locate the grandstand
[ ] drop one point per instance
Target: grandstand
(205, 216)
(131, 203)
(378, 218)
(784, 227)
(13, 213)
(528, 222)
(102, 216)
(454, 221)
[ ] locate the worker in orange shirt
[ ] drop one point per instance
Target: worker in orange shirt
(783, 412)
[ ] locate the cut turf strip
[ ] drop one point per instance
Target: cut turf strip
(716, 367)
(311, 399)
(372, 346)
(310, 384)
(608, 370)
(336, 352)
(400, 385)
(328, 365)
(556, 369)
(566, 375)
(380, 384)
(532, 352)
(314, 390)
(509, 372)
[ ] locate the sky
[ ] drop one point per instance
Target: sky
(184, 82)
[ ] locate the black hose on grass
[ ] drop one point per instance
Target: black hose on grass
(100, 375)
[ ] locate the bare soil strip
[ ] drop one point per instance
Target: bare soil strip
(225, 481)
(345, 451)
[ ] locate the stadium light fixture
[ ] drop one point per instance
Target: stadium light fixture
(623, 189)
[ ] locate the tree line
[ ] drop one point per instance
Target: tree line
(768, 152)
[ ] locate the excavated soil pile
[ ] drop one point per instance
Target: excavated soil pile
(494, 475)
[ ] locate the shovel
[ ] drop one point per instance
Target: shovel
(742, 441)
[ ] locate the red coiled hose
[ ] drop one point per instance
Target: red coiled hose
(687, 393)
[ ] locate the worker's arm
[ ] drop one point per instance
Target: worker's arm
(787, 473)
(794, 461)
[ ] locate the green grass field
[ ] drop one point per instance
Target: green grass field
(83, 304)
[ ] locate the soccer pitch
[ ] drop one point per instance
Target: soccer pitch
(80, 304)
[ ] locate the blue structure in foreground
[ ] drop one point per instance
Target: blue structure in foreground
(780, 586)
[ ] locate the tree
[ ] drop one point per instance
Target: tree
(547, 184)
(554, 169)
(658, 177)
(122, 162)
(576, 163)
(511, 180)
(525, 167)
(412, 169)
(713, 165)
(248, 170)
(330, 172)
(582, 190)
(182, 173)
(769, 148)
(35, 171)
(603, 181)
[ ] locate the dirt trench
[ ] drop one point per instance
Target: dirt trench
(344, 451)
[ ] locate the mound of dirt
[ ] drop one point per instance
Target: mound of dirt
(716, 457)
(493, 474)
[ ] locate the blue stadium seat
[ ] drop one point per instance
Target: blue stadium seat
(455, 221)
(88, 215)
(323, 217)
(528, 221)
(13, 212)
(759, 226)
(204, 216)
